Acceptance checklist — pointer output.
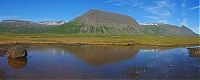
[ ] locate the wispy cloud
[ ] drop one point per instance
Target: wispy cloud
(184, 22)
(26, 19)
(162, 10)
(38, 19)
(9, 17)
(159, 10)
(195, 7)
(124, 2)
(158, 19)
(184, 3)
(153, 17)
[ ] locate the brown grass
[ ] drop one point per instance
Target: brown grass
(97, 39)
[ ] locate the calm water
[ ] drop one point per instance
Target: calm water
(102, 62)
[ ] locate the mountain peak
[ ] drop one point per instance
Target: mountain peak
(114, 23)
(183, 26)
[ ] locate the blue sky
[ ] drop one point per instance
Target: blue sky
(175, 12)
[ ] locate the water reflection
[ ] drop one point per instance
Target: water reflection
(1, 74)
(98, 55)
(194, 52)
(103, 62)
(134, 72)
(17, 63)
(94, 55)
(2, 53)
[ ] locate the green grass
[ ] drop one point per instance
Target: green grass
(98, 39)
(70, 28)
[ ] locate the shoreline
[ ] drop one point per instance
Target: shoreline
(112, 40)
(99, 43)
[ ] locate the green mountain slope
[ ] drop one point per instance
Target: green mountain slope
(22, 27)
(68, 28)
(96, 22)
(167, 30)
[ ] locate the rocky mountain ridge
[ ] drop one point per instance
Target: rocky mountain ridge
(97, 21)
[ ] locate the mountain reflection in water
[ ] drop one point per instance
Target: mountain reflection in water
(94, 55)
(99, 55)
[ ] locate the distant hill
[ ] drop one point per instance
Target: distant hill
(95, 22)
(166, 30)
(25, 27)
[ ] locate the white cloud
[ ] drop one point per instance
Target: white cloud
(166, 13)
(162, 8)
(158, 19)
(195, 7)
(163, 21)
(153, 17)
(134, 3)
(118, 4)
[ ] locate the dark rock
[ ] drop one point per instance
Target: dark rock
(17, 52)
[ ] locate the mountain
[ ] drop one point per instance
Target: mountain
(95, 22)
(166, 30)
(100, 22)
(22, 27)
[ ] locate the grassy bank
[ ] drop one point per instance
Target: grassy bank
(97, 39)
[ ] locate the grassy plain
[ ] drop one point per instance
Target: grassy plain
(126, 40)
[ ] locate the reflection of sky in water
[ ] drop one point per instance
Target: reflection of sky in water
(79, 62)
(183, 66)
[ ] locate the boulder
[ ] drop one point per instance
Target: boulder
(17, 52)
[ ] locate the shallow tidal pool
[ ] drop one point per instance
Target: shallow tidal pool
(102, 62)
